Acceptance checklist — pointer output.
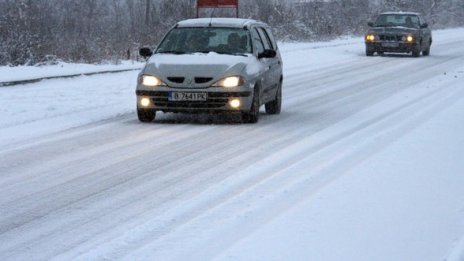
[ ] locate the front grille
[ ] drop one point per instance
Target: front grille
(198, 80)
(202, 79)
(176, 79)
(390, 37)
(211, 102)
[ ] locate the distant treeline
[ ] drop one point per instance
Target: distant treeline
(92, 31)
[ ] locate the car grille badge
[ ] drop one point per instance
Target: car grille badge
(189, 82)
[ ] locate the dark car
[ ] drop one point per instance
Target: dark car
(398, 32)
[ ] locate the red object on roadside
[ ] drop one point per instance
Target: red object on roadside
(217, 4)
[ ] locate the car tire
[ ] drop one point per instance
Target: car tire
(426, 52)
(369, 52)
(252, 116)
(274, 107)
(416, 52)
(146, 115)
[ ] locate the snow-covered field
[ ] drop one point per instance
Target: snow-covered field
(20, 73)
(364, 163)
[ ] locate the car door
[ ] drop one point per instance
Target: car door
(265, 63)
(277, 61)
(426, 33)
(272, 76)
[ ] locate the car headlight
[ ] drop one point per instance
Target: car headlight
(229, 82)
(408, 38)
(370, 37)
(149, 80)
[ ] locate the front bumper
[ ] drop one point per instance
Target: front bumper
(388, 46)
(217, 100)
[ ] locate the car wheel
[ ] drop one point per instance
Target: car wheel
(146, 115)
(274, 107)
(426, 52)
(252, 116)
(369, 52)
(416, 51)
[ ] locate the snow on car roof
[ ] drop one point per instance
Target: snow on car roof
(400, 13)
(217, 22)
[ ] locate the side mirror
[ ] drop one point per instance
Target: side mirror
(268, 53)
(425, 25)
(145, 52)
(370, 24)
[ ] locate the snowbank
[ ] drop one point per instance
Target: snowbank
(18, 73)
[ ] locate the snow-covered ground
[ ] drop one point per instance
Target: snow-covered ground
(364, 163)
(20, 73)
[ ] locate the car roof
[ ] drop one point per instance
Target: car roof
(219, 22)
(400, 13)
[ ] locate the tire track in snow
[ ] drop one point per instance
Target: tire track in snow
(196, 208)
(295, 184)
(153, 219)
(413, 107)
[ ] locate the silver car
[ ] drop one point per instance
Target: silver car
(212, 65)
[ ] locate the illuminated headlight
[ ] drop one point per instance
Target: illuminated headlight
(234, 103)
(145, 102)
(229, 82)
(149, 80)
(408, 38)
(370, 37)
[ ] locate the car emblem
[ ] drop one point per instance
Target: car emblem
(189, 81)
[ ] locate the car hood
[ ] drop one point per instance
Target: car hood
(210, 65)
(393, 30)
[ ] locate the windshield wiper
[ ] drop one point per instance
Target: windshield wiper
(199, 52)
(172, 52)
(229, 53)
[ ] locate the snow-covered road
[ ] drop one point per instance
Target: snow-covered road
(364, 163)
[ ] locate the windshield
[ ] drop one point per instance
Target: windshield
(206, 39)
(393, 20)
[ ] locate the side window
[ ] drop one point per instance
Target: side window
(421, 20)
(257, 41)
(271, 38)
(416, 21)
(264, 38)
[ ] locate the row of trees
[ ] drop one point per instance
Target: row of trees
(36, 31)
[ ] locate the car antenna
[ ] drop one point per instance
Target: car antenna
(211, 18)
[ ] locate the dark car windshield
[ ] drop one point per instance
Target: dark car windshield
(206, 39)
(397, 20)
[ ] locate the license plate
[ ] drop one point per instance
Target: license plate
(390, 45)
(188, 96)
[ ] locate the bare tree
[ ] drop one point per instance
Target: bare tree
(36, 31)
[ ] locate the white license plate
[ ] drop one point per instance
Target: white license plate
(188, 96)
(390, 45)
